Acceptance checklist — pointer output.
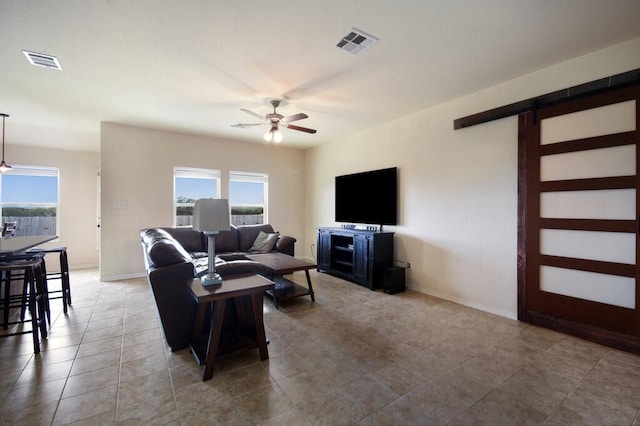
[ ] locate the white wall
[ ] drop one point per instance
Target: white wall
(137, 168)
(78, 212)
(457, 189)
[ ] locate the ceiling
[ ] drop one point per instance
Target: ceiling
(190, 66)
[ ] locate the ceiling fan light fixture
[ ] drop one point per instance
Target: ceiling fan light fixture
(273, 135)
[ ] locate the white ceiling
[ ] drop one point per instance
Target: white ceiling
(190, 65)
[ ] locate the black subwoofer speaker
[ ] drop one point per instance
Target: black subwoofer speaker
(393, 280)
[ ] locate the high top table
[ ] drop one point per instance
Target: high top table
(17, 245)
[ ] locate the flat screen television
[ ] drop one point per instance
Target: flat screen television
(368, 197)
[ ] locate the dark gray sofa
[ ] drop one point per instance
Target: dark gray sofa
(174, 256)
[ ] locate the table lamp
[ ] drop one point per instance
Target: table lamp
(211, 215)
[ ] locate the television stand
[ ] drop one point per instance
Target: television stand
(357, 255)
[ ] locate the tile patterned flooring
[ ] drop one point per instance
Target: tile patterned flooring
(353, 357)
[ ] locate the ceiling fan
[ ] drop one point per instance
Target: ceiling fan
(275, 120)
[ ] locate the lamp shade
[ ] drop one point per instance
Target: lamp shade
(211, 214)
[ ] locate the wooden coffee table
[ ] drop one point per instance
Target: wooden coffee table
(281, 264)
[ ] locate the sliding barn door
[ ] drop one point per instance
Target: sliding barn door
(580, 218)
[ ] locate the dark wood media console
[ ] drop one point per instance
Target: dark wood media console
(356, 255)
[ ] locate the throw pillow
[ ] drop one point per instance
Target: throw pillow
(264, 242)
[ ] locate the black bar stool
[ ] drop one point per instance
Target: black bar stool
(63, 275)
(35, 280)
(18, 274)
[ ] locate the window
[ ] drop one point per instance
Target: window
(29, 196)
(248, 198)
(188, 186)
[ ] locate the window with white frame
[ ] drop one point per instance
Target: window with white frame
(29, 197)
(248, 198)
(190, 184)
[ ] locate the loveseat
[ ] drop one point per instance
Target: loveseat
(173, 256)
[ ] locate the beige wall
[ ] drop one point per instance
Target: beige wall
(137, 168)
(77, 213)
(457, 189)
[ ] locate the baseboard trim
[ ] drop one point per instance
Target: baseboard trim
(464, 302)
(78, 267)
(123, 277)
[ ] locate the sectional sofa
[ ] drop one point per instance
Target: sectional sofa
(174, 256)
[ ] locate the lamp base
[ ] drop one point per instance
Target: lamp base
(211, 279)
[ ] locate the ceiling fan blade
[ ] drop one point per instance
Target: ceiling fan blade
(302, 129)
(253, 114)
(295, 117)
(243, 125)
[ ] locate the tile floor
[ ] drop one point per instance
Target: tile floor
(353, 357)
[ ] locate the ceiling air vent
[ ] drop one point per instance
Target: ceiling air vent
(356, 41)
(42, 60)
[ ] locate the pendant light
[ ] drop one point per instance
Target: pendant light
(4, 167)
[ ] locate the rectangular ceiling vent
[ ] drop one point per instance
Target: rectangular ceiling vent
(42, 60)
(356, 41)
